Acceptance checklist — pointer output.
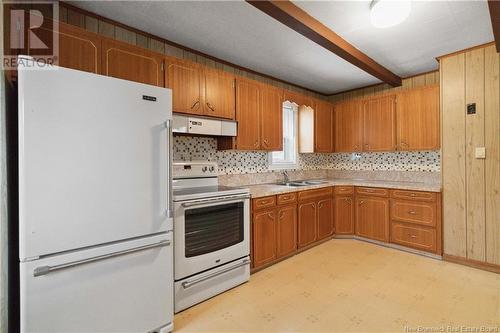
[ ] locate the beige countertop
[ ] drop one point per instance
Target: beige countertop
(262, 190)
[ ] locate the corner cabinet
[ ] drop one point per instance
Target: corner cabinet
(129, 62)
(315, 216)
(418, 119)
(372, 213)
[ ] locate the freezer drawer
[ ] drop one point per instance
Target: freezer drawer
(123, 287)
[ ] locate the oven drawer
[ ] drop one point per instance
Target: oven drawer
(200, 287)
(420, 238)
(264, 202)
(414, 212)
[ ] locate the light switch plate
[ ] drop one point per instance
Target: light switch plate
(480, 152)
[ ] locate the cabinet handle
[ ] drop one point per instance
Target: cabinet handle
(256, 144)
(361, 202)
(413, 195)
(320, 205)
(347, 199)
(355, 146)
(412, 236)
(403, 143)
(266, 142)
(314, 205)
(286, 198)
(271, 215)
(210, 107)
(412, 212)
(282, 214)
(263, 202)
(194, 104)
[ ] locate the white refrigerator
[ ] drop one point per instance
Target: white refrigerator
(95, 225)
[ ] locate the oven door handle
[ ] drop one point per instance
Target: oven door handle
(187, 284)
(209, 201)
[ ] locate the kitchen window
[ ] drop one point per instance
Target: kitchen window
(288, 157)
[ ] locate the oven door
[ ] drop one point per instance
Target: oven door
(210, 232)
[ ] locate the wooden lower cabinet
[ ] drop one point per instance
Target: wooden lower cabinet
(286, 230)
(372, 218)
(325, 218)
(344, 215)
(264, 237)
(307, 213)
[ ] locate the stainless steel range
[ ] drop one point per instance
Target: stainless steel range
(211, 234)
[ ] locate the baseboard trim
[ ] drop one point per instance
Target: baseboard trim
(472, 263)
(391, 246)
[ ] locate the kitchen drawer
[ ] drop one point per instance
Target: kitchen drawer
(413, 195)
(312, 194)
(417, 237)
(287, 198)
(344, 189)
(264, 202)
(423, 213)
(372, 191)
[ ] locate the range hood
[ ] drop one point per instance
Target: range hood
(203, 126)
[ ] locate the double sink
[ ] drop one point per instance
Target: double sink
(300, 183)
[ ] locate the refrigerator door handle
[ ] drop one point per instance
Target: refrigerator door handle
(170, 194)
(44, 270)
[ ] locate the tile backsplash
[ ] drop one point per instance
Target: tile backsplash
(240, 162)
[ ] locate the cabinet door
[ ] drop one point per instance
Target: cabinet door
(219, 94)
(184, 78)
(271, 120)
(286, 230)
(132, 63)
(79, 49)
(307, 213)
(379, 124)
(323, 127)
(264, 237)
(325, 218)
(248, 114)
(344, 215)
(348, 126)
(372, 218)
(418, 119)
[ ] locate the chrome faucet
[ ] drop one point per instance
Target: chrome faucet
(285, 177)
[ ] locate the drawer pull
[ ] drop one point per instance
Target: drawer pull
(412, 212)
(286, 198)
(413, 195)
(412, 236)
(263, 202)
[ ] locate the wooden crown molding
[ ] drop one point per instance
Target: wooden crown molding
(303, 23)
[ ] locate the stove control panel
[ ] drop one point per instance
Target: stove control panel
(194, 169)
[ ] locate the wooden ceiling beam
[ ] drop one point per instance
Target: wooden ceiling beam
(297, 19)
(494, 6)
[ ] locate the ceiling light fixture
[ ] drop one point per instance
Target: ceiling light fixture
(388, 13)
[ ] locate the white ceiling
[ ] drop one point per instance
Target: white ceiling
(239, 33)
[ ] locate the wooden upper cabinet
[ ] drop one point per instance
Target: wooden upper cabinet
(129, 62)
(248, 114)
(184, 78)
(325, 218)
(271, 118)
(348, 128)
(323, 127)
(79, 49)
(219, 94)
(344, 215)
(372, 218)
(418, 119)
(379, 124)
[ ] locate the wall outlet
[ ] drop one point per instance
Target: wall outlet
(480, 152)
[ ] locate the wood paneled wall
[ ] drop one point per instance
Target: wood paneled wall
(471, 186)
(106, 28)
(420, 80)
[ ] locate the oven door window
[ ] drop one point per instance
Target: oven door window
(213, 228)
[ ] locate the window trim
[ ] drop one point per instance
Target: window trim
(288, 166)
